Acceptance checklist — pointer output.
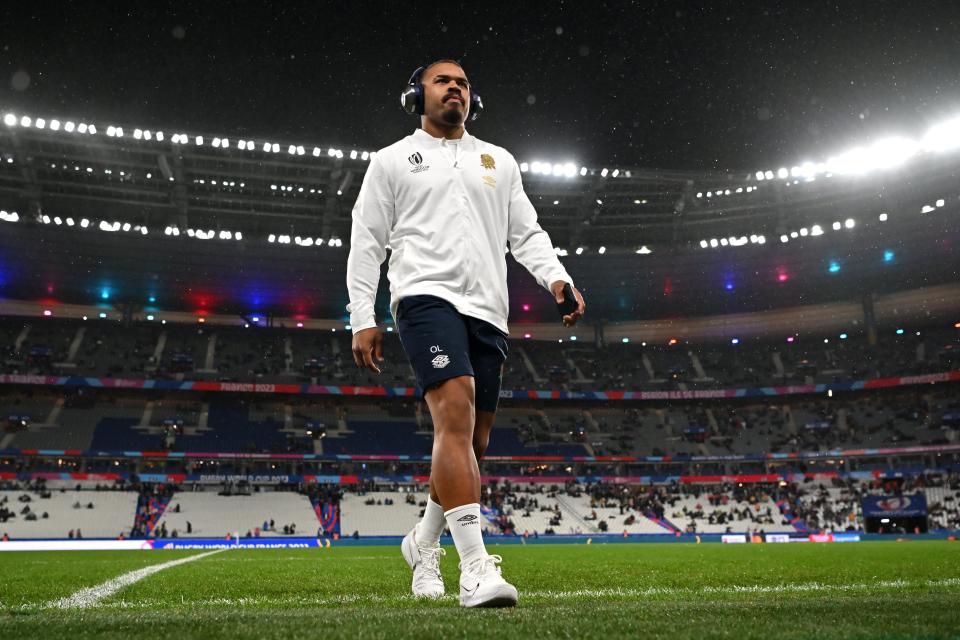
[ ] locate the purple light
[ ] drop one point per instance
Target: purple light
(789, 338)
(47, 313)
(299, 325)
(526, 307)
(527, 336)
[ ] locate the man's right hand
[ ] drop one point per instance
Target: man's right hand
(367, 346)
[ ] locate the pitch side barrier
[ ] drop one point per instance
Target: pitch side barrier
(528, 394)
(493, 539)
(347, 480)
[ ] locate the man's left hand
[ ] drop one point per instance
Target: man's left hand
(570, 319)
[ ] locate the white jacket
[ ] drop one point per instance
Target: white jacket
(446, 209)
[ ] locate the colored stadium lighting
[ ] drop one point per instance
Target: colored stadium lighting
(347, 326)
(843, 336)
(102, 315)
(782, 276)
(526, 307)
(735, 341)
(888, 256)
(47, 313)
(389, 329)
(104, 294)
(299, 325)
(728, 286)
(201, 320)
(625, 340)
(150, 317)
(899, 332)
(672, 342)
(573, 338)
(527, 336)
(834, 266)
(255, 318)
(790, 339)
(84, 317)
(956, 325)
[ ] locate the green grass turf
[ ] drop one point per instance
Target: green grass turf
(860, 590)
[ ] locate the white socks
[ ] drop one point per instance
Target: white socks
(464, 523)
(431, 527)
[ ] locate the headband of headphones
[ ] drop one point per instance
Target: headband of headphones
(411, 99)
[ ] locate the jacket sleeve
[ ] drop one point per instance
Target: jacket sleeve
(529, 243)
(373, 216)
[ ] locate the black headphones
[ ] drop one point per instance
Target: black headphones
(412, 97)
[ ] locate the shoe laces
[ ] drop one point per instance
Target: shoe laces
(430, 559)
(482, 566)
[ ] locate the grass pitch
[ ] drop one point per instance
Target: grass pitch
(860, 590)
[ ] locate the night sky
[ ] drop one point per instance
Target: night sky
(660, 85)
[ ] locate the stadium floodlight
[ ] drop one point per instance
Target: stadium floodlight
(25, 121)
(704, 244)
(804, 232)
(883, 217)
(147, 135)
(615, 173)
(363, 156)
(816, 230)
(69, 126)
(10, 120)
(583, 171)
(292, 150)
(759, 175)
(353, 153)
(943, 137)
(644, 250)
(579, 251)
(849, 223)
(602, 250)
(569, 170)
(275, 147)
(940, 202)
(557, 170)
(926, 209)
(158, 135)
(272, 238)
(138, 134)
(524, 167)
(316, 153)
(714, 243)
(603, 172)
(837, 226)
(782, 172)
(84, 223)
(784, 238)
(198, 141)
(40, 123)
(794, 235)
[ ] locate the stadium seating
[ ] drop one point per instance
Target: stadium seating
(214, 516)
(64, 511)
(106, 348)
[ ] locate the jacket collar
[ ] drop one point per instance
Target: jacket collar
(422, 137)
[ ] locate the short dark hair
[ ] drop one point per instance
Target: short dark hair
(436, 62)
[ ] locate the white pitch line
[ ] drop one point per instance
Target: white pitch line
(579, 594)
(92, 595)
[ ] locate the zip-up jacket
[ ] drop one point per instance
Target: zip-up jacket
(446, 209)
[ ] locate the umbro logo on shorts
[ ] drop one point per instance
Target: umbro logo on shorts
(441, 361)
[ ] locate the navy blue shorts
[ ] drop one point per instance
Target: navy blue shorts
(442, 343)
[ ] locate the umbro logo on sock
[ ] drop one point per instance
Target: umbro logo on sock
(467, 520)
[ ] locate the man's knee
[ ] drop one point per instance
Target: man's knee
(452, 401)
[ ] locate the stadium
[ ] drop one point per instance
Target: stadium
(753, 431)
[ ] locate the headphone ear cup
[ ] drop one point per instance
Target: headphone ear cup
(476, 106)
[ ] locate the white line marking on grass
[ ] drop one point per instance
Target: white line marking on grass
(92, 595)
(580, 594)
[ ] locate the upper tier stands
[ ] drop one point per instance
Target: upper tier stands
(145, 420)
(107, 348)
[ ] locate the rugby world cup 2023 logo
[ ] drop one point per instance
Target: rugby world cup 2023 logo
(416, 160)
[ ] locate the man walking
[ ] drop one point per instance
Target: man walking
(447, 205)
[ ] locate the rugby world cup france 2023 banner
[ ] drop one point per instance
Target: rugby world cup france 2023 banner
(914, 506)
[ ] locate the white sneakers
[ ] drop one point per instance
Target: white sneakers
(425, 562)
(481, 584)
